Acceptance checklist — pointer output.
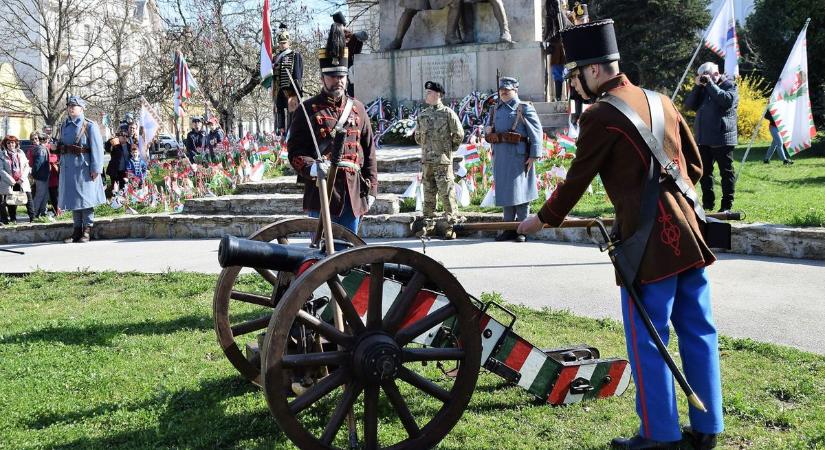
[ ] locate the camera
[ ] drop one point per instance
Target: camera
(704, 79)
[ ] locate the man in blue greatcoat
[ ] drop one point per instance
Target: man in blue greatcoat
(81, 162)
(515, 133)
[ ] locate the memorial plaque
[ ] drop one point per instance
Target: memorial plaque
(455, 72)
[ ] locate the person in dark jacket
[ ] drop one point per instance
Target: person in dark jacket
(715, 100)
(215, 138)
(40, 173)
(195, 139)
(118, 148)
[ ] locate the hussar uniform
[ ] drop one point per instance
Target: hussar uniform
(674, 288)
(356, 182)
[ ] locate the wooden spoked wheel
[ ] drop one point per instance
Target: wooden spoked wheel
(242, 306)
(380, 372)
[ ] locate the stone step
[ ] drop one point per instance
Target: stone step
(551, 107)
(268, 204)
(388, 183)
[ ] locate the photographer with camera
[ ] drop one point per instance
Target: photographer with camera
(715, 100)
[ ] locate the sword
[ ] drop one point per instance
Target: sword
(633, 291)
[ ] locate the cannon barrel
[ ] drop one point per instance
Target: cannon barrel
(234, 251)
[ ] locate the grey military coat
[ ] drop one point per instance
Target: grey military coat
(76, 188)
(514, 186)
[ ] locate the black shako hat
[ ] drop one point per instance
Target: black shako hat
(338, 17)
(590, 43)
(333, 57)
(433, 86)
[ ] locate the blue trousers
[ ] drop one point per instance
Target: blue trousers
(684, 301)
(83, 217)
(776, 145)
(346, 219)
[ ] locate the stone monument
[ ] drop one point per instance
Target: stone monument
(461, 68)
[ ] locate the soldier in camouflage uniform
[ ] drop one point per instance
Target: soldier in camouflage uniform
(439, 132)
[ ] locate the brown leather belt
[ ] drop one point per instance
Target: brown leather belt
(73, 149)
(506, 137)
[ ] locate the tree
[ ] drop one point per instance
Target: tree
(129, 46)
(52, 47)
(221, 40)
(773, 28)
(656, 38)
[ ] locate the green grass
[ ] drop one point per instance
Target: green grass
(768, 193)
(105, 360)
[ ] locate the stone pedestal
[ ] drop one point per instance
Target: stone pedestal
(400, 75)
(428, 27)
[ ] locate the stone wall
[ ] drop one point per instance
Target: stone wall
(400, 75)
(750, 239)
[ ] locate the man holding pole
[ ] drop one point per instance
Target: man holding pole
(342, 129)
(654, 214)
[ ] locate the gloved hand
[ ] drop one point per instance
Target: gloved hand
(370, 201)
(313, 171)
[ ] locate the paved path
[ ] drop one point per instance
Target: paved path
(768, 299)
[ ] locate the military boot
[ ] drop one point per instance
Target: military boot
(75, 237)
(639, 443)
(85, 235)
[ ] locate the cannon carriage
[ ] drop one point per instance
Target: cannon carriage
(405, 328)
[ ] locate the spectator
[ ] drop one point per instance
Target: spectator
(196, 139)
(54, 179)
(215, 137)
(715, 100)
(40, 173)
(14, 176)
(135, 166)
(119, 150)
(776, 143)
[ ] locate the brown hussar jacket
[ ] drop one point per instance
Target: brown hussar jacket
(358, 148)
(609, 146)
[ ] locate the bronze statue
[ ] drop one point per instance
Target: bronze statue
(452, 37)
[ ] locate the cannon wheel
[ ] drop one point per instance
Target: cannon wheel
(373, 356)
(226, 293)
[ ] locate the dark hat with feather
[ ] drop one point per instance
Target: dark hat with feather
(333, 57)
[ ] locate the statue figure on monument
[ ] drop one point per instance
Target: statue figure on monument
(469, 14)
(411, 8)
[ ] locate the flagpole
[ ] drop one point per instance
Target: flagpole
(767, 106)
(696, 52)
(750, 144)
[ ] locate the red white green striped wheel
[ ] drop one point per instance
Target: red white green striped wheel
(376, 371)
(242, 310)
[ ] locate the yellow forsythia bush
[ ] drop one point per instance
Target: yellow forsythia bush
(753, 96)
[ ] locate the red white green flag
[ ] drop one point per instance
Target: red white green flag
(567, 143)
(471, 156)
(266, 49)
(790, 103)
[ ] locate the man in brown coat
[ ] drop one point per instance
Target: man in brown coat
(674, 287)
(356, 182)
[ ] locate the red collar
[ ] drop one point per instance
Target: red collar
(619, 81)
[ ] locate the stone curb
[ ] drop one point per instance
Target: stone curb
(749, 239)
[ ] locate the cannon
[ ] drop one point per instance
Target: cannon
(409, 331)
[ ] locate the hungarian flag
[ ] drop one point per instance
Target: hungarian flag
(183, 83)
(721, 38)
(790, 103)
(566, 142)
(471, 156)
(266, 49)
